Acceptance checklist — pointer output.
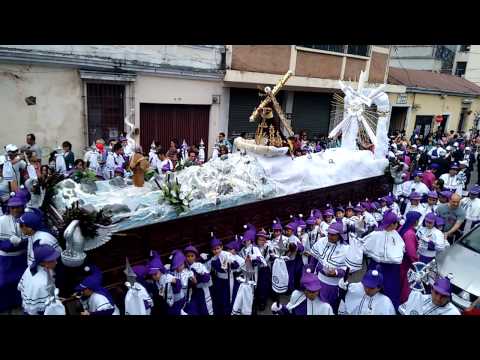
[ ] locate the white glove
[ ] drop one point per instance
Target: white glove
(342, 284)
(15, 240)
(204, 256)
(276, 307)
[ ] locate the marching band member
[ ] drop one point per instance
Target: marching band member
(431, 240)
(178, 296)
(330, 252)
(436, 303)
(471, 205)
(13, 254)
(386, 247)
(307, 301)
(95, 299)
(200, 301)
(31, 224)
(34, 286)
(365, 298)
(137, 299)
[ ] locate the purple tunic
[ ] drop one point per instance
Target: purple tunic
(295, 270)
(197, 304)
(177, 306)
(11, 271)
(391, 280)
(220, 290)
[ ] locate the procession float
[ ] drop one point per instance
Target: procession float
(104, 221)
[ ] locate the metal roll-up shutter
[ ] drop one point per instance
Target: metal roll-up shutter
(311, 112)
(242, 104)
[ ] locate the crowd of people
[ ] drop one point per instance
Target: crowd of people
(303, 267)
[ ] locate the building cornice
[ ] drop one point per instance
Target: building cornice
(419, 90)
(82, 62)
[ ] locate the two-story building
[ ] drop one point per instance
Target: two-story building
(306, 99)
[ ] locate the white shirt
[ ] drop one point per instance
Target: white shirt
(331, 256)
(419, 304)
(98, 302)
(452, 182)
(425, 235)
(44, 239)
(384, 247)
(357, 302)
(34, 290)
(315, 307)
(471, 207)
(419, 187)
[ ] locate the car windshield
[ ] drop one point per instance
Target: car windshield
(472, 240)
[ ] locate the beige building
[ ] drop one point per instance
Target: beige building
(80, 93)
(433, 101)
(467, 63)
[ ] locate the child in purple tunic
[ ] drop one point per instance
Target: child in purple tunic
(294, 253)
(200, 301)
(184, 279)
(264, 278)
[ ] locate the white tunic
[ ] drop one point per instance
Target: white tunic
(315, 307)
(472, 211)
(44, 239)
(324, 227)
(98, 302)
(419, 187)
(384, 247)
(34, 290)
(135, 301)
(419, 304)
(357, 302)
(425, 235)
(452, 182)
(9, 226)
(331, 256)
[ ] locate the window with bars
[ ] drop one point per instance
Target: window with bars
(360, 50)
(106, 111)
(464, 48)
(461, 68)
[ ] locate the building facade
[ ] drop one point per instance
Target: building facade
(433, 101)
(83, 92)
(437, 58)
(467, 63)
(306, 99)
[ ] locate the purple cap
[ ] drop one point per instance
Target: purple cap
(93, 281)
(434, 166)
(215, 242)
(141, 271)
(292, 226)
(317, 213)
(301, 223)
(373, 279)
(442, 286)
(32, 220)
(45, 253)
(339, 208)
(432, 194)
(389, 218)
(261, 233)
(191, 249)
(454, 166)
(120, 170)
(475, 190)
(311, 282)
(121, 138)
(311, 220)
(417, 173)
(178, 259)
(366, 205)
(16, 201)
(155, 264)
(328, 212)
(415, 196)
(446, 194)
(431, 218)
(358, 208)
(439, 221)
(250, 232)
(233, 245)
(277, 225)
(336, 228)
